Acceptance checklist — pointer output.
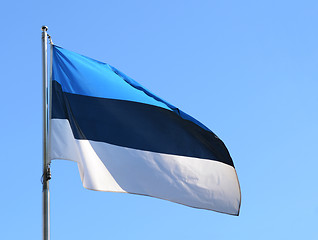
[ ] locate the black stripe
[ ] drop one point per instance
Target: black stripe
(135, 125)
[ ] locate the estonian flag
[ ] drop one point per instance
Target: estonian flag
(126, 139)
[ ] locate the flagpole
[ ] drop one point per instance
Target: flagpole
(46, 167)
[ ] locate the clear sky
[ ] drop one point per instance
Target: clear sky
(246, 69)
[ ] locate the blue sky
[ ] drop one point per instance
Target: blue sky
(246, 69)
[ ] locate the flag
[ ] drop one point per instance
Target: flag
(126, 139)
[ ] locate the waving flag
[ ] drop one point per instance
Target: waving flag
(126, 139)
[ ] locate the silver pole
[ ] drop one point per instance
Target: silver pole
(46, 167)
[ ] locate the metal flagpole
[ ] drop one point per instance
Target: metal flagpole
(46, 167)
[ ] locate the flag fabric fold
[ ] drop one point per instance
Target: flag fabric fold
(126, 139)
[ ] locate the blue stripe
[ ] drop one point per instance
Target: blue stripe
(78, 74)
(97, 79)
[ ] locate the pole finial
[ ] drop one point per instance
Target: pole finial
(44, 28)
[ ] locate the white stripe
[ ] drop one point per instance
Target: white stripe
(190, 181)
